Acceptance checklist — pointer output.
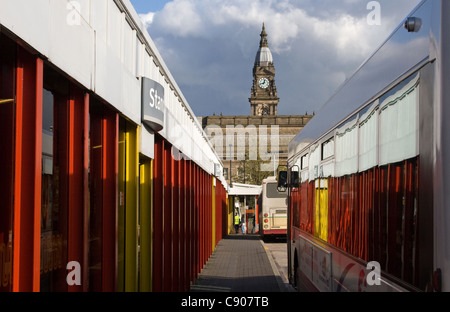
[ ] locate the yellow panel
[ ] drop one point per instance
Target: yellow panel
(321, 211)
(128, 205)
(324, 214)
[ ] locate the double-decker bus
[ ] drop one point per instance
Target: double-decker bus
(370, 210)
(272, 211)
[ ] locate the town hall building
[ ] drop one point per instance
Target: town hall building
(253, 147)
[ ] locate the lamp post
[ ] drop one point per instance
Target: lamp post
(273, 158)
(244, 166)
(229, 171)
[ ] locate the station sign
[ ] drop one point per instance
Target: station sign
(152, 104)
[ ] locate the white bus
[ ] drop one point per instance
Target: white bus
(272, 209)
(374, 170)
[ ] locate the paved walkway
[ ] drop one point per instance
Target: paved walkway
(240, 264)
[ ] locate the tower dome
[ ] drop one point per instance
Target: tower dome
(264, 56)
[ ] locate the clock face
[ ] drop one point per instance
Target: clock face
(264, 83)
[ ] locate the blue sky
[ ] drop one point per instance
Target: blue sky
(210, 47)
(145, 6)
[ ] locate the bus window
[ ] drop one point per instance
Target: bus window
(272, 191)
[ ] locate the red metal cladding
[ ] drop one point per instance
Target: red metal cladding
(175, 225)
(38, 173)
(183, 259)
(192, 223)
(186, 229)
(27, 183)
(183, 219)
(85, 262)
(189, 274)
(167, 220)
(76, 189)
(110, 196)
(198, 221)
(158, 206)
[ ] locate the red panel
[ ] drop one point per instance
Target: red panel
(210, 214)
(175, 281)
(201, 216)
(202, 219)
(110, 196)
(194, 222)
(158, 208)
(167, 221)
(85, 262)
(37, 174)
(18, 175)
(190, 235)
(183, 260)
(208, 227)
(208, 224)
(27, 187)
(196, 230)
(189, 222)
(61, 176)
(206, 219)
(95, 213)
(225, 213)
(219, 212)
(76, 188)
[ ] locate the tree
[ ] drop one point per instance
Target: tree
(253, 173)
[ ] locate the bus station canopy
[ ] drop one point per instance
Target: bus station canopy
(239, 189)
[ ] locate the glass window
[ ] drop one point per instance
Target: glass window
(95, 199)
(328, 149)
(7, 62)
(304, 162)
(368, 138)
(398, 123)
(347, 148)
(53, 211)
(272, 191)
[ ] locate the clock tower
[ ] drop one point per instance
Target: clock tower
(264, 99)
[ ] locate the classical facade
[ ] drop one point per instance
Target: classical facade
(253, 147)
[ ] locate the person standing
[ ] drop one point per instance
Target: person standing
(237, 222)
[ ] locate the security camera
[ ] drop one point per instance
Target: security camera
(413, 24)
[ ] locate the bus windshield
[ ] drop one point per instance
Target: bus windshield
(272, 191)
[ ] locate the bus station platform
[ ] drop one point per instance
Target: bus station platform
(240, 263)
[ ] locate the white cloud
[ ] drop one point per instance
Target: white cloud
(147, 19)
(181, 18)
(316, 45)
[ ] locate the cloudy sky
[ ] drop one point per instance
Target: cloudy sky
(210, 46)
